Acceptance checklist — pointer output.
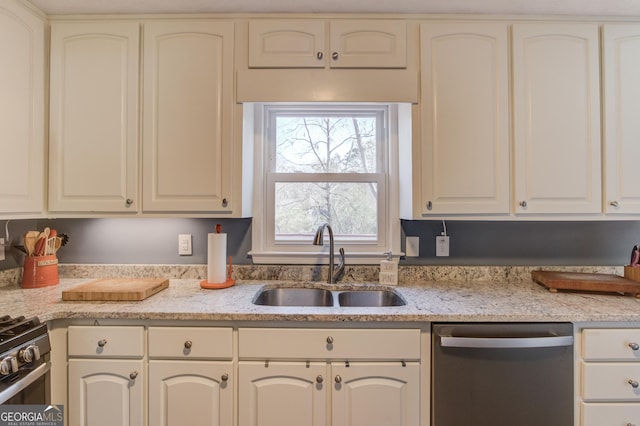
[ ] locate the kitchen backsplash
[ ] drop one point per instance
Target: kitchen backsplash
(408, 275)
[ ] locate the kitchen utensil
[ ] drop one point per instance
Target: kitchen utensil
(30, 238)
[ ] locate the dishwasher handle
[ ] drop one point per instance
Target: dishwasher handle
(505, 342)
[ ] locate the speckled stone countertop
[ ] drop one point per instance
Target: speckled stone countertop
(439, 294)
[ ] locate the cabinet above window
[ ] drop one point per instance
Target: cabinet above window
(317, 43)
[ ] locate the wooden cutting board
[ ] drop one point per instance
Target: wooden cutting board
(583, 281)
(117, 289)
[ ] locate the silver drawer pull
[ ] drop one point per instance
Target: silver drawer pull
(133, 375)
(634, 346)
(225, 377)
(102, 343)
(338, 379)
(188, 344)
(634, 384)
(319, 378)
(330, 340)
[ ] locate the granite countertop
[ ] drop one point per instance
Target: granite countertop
(451, 300)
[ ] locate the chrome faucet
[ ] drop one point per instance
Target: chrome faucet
(318, 240)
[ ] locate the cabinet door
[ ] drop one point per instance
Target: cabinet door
(286, 43)
(187, 116)
(368, 44)
(93, 164)
(465, 118)
(282, 394)
(106, 392)
(22, 140)
(556, 118)
(375, 394)
(621, 68)
(196, 393)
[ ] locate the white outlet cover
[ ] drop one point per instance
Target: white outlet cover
(442, 246)
(412, 246)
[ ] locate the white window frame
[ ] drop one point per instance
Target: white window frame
(265, 250)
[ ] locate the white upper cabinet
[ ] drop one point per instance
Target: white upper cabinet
(556, 114)
(621, 71)
(464, 163)
(188, 116)
(316, 43)
(93, 139)
(22, 112)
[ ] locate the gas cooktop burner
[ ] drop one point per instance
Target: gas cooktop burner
(24, 355)
(16, 331)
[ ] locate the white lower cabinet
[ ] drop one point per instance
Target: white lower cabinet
(104, 388)
(106, 392)
(194, 385)
(609, 389)
(314, 377)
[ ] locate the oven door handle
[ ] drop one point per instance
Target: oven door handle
(24, 382)
(505, 342)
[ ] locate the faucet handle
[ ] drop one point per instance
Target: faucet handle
(340, 270)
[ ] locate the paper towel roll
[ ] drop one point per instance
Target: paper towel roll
(217, 258)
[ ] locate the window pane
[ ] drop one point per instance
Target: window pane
(350, 208)
(326, 143)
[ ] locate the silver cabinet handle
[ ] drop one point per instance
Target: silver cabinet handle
(319, 55)
(634, 384)
(225, 203)
(133, 375)
(224, 377)
(523, 204)
(129, 201)
(505, 343)
(102, 343)
(188, 344)
(319, 379)
(614, 204)
(335, 56)
(330, 340)
(338, 379)
(429, 205)
(634, 346)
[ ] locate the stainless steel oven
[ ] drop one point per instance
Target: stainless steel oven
(24, 361)
(502, 374)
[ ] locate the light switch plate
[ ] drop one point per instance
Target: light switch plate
(184, 245)
(412, 246)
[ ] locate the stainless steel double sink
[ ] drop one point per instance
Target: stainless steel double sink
(299, 296)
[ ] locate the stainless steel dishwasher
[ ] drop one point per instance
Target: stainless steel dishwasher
(502, 374)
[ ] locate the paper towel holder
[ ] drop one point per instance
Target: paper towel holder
(226, 284)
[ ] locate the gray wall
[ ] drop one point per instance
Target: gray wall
(155, 241)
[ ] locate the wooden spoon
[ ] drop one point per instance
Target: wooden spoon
(30, 238)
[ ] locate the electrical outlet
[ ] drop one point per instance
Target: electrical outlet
(442, 245)
(1, 248)
(184, 245)
(412, 246)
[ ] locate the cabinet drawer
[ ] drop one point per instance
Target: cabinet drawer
(611, 345)
(610, 414)
(269, 343)
(106, 342)
(190, 342)
(610, 381)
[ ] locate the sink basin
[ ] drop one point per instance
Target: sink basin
(294, 297)
(370, 298)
